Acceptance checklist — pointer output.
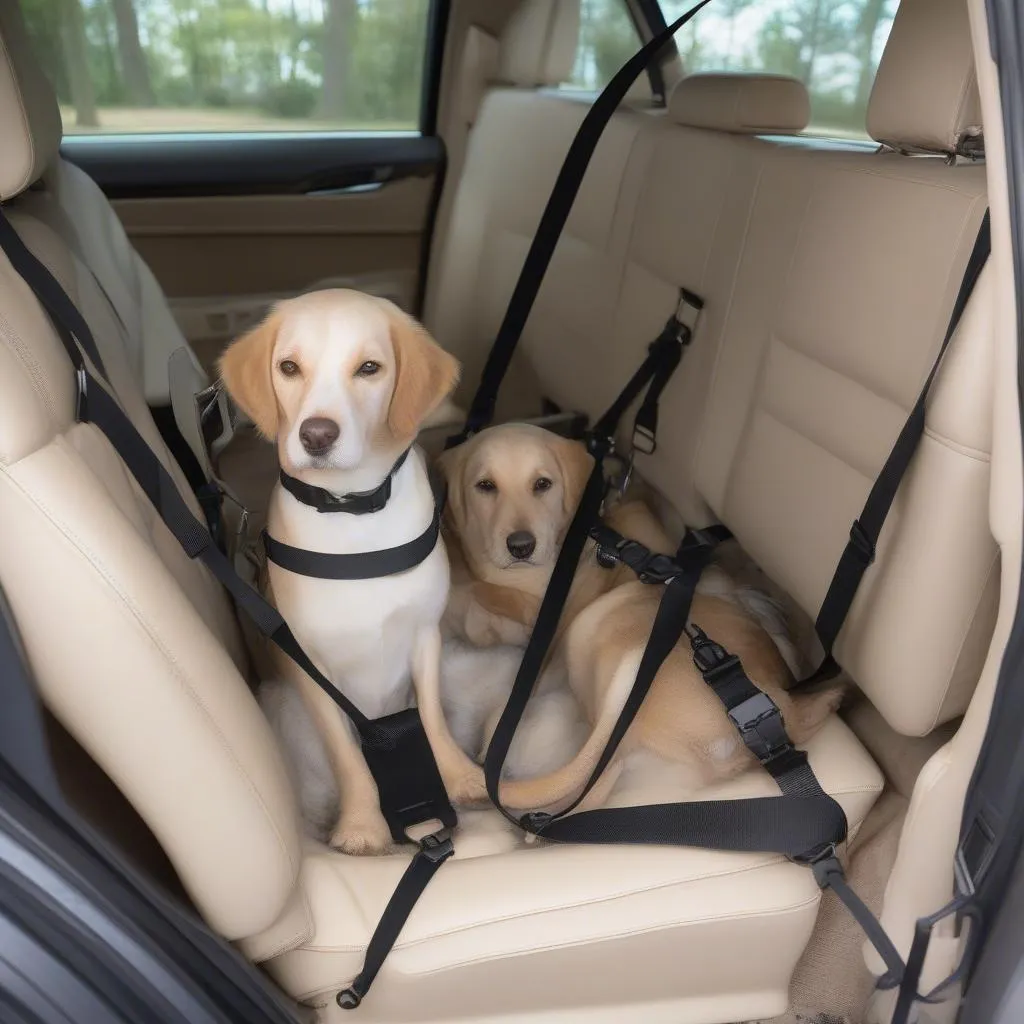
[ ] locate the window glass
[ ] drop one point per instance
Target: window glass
(832, 46)
(232, 65)
(608, 38)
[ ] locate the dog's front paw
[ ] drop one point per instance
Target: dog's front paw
(467, 789)
(361, 836)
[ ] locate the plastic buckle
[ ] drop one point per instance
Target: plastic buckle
(81, 395)
(759, 722)
(535, 821)
(823, 862)
(710, 658)
(438, 846)
(862, 543)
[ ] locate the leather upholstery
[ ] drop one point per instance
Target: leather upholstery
(925, 94)
(538, 45)
(30, 123)
(753, 104)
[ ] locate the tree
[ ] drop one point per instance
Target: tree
(338, 46)
(867, 28)
(134, 71)
(76, 60)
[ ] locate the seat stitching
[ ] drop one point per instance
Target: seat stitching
(967, 451)
(85, 551)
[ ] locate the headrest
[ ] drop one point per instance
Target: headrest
(538, 46)
(29, 116)
(753, 104)
(925, 95)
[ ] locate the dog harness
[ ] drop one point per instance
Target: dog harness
(804, 823)
(359, 565)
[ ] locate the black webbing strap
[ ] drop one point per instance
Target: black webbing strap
(552, 222)
(359, 565)
(416, 794)
(867, 527)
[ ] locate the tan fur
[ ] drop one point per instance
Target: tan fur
(605, 626)
(245, 367)
(426, 375)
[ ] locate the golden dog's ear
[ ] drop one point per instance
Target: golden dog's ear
(424, 375)
(246, 369)
(575, 463)
(450, 465)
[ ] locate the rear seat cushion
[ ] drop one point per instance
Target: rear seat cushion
(30, 125)
(743, 103)
(500, 923)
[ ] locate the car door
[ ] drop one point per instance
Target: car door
(255, 148)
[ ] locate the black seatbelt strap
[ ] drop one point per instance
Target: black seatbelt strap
(412, 795)
(552, 222)
(859, 552)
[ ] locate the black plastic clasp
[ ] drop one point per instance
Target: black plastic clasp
(649, 566)
(711, 658)
(862, 543)
(535, 822)
(760, 723)
(438, 846)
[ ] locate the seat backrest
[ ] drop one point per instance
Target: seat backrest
(135, 648)
(84, 218)
(845, 284)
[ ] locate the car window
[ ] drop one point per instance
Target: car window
(832, 46)
(608, 38)
(232, 65)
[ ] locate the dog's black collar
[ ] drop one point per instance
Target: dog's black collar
(361, 565)
(358, 503)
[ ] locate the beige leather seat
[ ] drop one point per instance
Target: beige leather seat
(803, 381)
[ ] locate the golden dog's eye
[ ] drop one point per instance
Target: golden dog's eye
(486, 486)
(368, 369)
(541, 485)
(288, 367)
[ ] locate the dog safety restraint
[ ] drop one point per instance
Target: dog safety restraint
(395, 747)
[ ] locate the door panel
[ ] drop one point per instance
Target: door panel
(231, 224)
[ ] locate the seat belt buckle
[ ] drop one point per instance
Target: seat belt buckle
(438, 846)
(759, 722)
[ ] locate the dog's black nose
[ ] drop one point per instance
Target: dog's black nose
(317, 434)
(521, 544)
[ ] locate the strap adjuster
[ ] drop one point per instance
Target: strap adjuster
(643, 441)
(760, 724)
(711, 658)
(438, 846)
(649, 566)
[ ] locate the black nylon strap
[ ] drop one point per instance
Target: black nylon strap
(358, 503)
(553, 221)
(433, 852)
(860, 550)
(359, 565)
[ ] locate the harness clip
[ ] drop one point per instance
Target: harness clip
(438, 846)
(760, 723)
(711, 658)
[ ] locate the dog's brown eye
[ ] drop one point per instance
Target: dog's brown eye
(486, 486)
(289, 368)
(368, 369)
(541, 485)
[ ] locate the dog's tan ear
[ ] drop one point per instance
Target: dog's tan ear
(576, 463)
(246, 369)
(424, 375)
(450, 465)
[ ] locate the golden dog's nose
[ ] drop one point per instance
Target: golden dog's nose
(520, 544)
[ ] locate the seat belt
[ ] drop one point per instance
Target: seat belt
(804, 823)
(411, 796)
(549, 230)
